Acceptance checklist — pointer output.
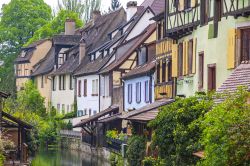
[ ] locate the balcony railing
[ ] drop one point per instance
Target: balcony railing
(164, 48)
(164, 90)
(70, 134)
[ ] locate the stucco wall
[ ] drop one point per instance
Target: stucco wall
(45, 91)
(88, 102)
(65, 97)
(215, 51)
(134, 104)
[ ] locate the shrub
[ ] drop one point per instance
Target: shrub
(226, 132)
(177, 129)
(116, 160)
(150, 161)
(136, 150)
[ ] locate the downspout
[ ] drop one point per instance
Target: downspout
(99, 93)
(123, 94)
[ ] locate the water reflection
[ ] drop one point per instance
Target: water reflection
(58, 157)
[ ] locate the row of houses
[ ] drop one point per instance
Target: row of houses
(122, 66)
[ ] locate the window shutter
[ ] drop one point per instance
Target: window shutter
(181, 5)
(231, 49)
(160, 71)
(194, 55)
(175, 60)
(184, 66)
(186, 58)
(102, 86)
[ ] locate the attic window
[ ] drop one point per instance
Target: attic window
(142, 55)
(23, 54)
(92, 57)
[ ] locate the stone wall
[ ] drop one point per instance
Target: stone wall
(77, 145)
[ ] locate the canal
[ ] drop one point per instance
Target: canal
(59, 157)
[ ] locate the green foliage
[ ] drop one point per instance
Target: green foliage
(136, 150)
(55, 26)
(115, 135)
(177, 129)
(29, 107)
(76, 6)
(116, 160)
(150, 161)
(5, 144)
(226, 131)
(20, 19)
(70, 115)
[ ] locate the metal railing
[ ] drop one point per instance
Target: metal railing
(70, 134)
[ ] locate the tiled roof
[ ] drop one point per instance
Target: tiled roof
(112, 109)
(156, 5)
(66, 39)
(155, 105)
(140, 70)
(125, 50)
(95, 36)
(29, 51)
(46, 65)
(239, 77)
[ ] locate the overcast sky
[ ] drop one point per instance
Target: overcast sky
(104, 7)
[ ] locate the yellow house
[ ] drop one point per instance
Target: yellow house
(26, 62)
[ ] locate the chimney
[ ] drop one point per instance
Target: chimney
(70, 27)
(95, 15)
(131, 9)
(82, 50)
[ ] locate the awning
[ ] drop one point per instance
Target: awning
(110, 118)
(145, 116)
(148, 112)
(111, 110)
(15, 120)
(4, 95)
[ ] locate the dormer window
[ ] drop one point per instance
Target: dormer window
(23, 54)
(92, 57)
(142, 55)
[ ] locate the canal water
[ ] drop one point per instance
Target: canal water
(58, 157)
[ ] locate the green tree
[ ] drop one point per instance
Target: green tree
(20, 19)
(226, 132)
(115, 4)
(90, 6)
(55, 26)
(76, 6)
(177, 129)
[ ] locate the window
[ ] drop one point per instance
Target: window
(42, 82)
(79, 88)
(138, 92)
(169, 71)
(58, 107)
(158, 72)
(90, 112)
(147, 91)
(130, 91)
(201, 71)
(79, 113)
(85, 87)
(71, 86)
(204, 12)
(245, 46)
(159, 30)
(187, 4)
(142, 56)
(60, 85)
(62, 82)
(85, 111)
(94, 112)
(163, 68)
(180, 60)
(190, 56)
(95, 87)
(67, 108)
(53, 83)
(63, 109)
(211, 77)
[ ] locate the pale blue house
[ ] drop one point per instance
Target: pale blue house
(139, 82)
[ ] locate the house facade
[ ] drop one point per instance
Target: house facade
(28, 58)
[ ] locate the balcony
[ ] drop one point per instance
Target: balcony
(164, 90)
(236, 8)
(163, 48)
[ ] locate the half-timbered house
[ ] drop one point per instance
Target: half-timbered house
(208, 41)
